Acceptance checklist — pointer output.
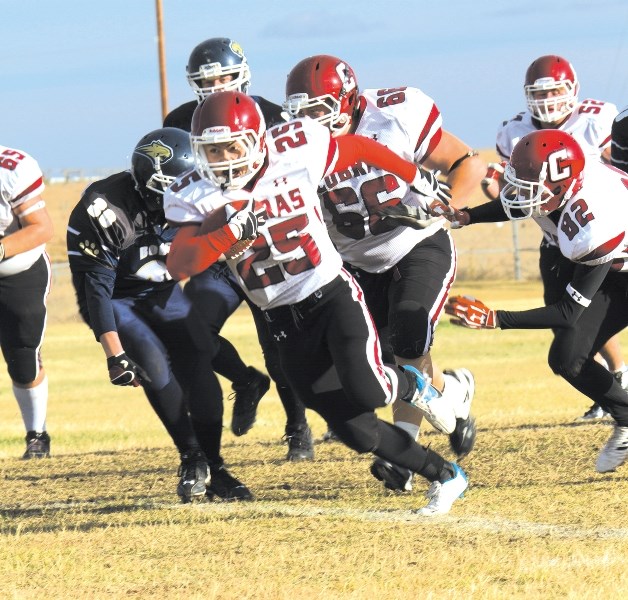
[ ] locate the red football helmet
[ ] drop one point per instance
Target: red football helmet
(547, 74)
(325, 88)
(229, 120)
(544, 172)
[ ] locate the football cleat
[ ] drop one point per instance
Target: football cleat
(442, 494)
(437, 410)
(300, 444)
(246, 398)
(194, 477)
(330, 436)
(593, 413)
(622, 377)
(393, 476)
(37, 445)
(225, 486)
(462, 439)
(615, 452)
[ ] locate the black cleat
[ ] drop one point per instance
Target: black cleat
(195, 477)
(246, 398)
(226, 487)
(394, 477)
(462, 439)
(37, 445)
(300, 444)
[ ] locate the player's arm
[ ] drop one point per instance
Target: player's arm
(473, 313)
(463, 168)
(35, 228)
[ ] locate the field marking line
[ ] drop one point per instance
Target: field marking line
(279, 509)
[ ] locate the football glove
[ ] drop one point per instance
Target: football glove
(244, 224)
(426, 182)
(403, 215)
(494, 175)
(458, 218)
(123, 371)
(471, 312)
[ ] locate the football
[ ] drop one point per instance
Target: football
(218, 218)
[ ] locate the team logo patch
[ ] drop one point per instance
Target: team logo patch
(237, 49)
(156, 150)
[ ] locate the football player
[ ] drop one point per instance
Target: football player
(264, 186)
(150, 333)
(216, 65)
(551, 90)
(406, 274)
(548, 180)
(25, 227)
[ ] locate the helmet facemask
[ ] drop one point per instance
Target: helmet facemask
(240, 82)
(301, 105)
(523, 199)
(551, 109)
(229, 174)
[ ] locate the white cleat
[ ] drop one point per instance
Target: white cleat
(615, 452)
(462, 385)
(442, 495)
(437, 409)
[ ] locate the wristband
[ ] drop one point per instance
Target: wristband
(1, 251)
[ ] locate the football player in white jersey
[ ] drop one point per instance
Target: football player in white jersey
(551, 89)
(548, 179)
(406, 274)
(253, 197)
(25, 227)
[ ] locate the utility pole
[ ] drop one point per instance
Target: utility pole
(163, 84)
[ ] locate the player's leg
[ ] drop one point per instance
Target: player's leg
(22, 326)
(297, 430)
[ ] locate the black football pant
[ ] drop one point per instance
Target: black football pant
(329, 349)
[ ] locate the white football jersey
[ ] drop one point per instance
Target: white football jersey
(408, 123)
(590, 124)
(591, 229)
(292, 256)
(21, 179)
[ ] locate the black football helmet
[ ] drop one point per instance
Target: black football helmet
(158, 158)
(215, 58)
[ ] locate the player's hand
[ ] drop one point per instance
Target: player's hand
(244, 224)
(402, 215)
(458, 218)
(471, 312)
(493, 179)
(123, 371)
(426, 182)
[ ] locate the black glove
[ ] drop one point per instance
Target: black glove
(427, 183)
(407, 216)
(245, 223)
(123, 371)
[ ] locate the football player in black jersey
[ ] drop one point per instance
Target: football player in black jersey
(151, 334)
(218, 65)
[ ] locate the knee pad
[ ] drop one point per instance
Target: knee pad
(360, 433)
(409, 330)
(565, 364)
(22, 364)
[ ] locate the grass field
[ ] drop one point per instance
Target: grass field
(101, 518)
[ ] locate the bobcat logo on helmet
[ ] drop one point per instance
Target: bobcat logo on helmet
(236, 49)
(156, 150)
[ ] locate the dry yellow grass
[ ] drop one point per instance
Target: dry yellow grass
(101, 519)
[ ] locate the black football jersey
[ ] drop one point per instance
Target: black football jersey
(110, 232)
(181, 116)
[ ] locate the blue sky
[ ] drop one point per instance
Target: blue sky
(80, 79)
